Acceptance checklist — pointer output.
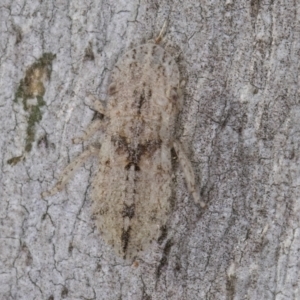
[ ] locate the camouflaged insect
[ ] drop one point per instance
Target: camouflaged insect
(132, 188)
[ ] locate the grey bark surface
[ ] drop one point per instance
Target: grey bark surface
(240, 125)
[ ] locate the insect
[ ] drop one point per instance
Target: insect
(133, 185)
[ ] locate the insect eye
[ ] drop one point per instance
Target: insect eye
(112, 89)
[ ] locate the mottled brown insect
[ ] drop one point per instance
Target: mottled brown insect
(132, 188)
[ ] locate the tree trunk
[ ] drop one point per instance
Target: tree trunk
(240, 125)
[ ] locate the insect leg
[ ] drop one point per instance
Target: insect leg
(96, 104)
(90, 130)
(161, 34)
(70, 169)
(188, 172)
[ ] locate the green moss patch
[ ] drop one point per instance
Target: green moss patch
(31, 90)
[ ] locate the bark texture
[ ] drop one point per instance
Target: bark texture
(240, 125)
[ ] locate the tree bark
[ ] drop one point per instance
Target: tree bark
(240, 125)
